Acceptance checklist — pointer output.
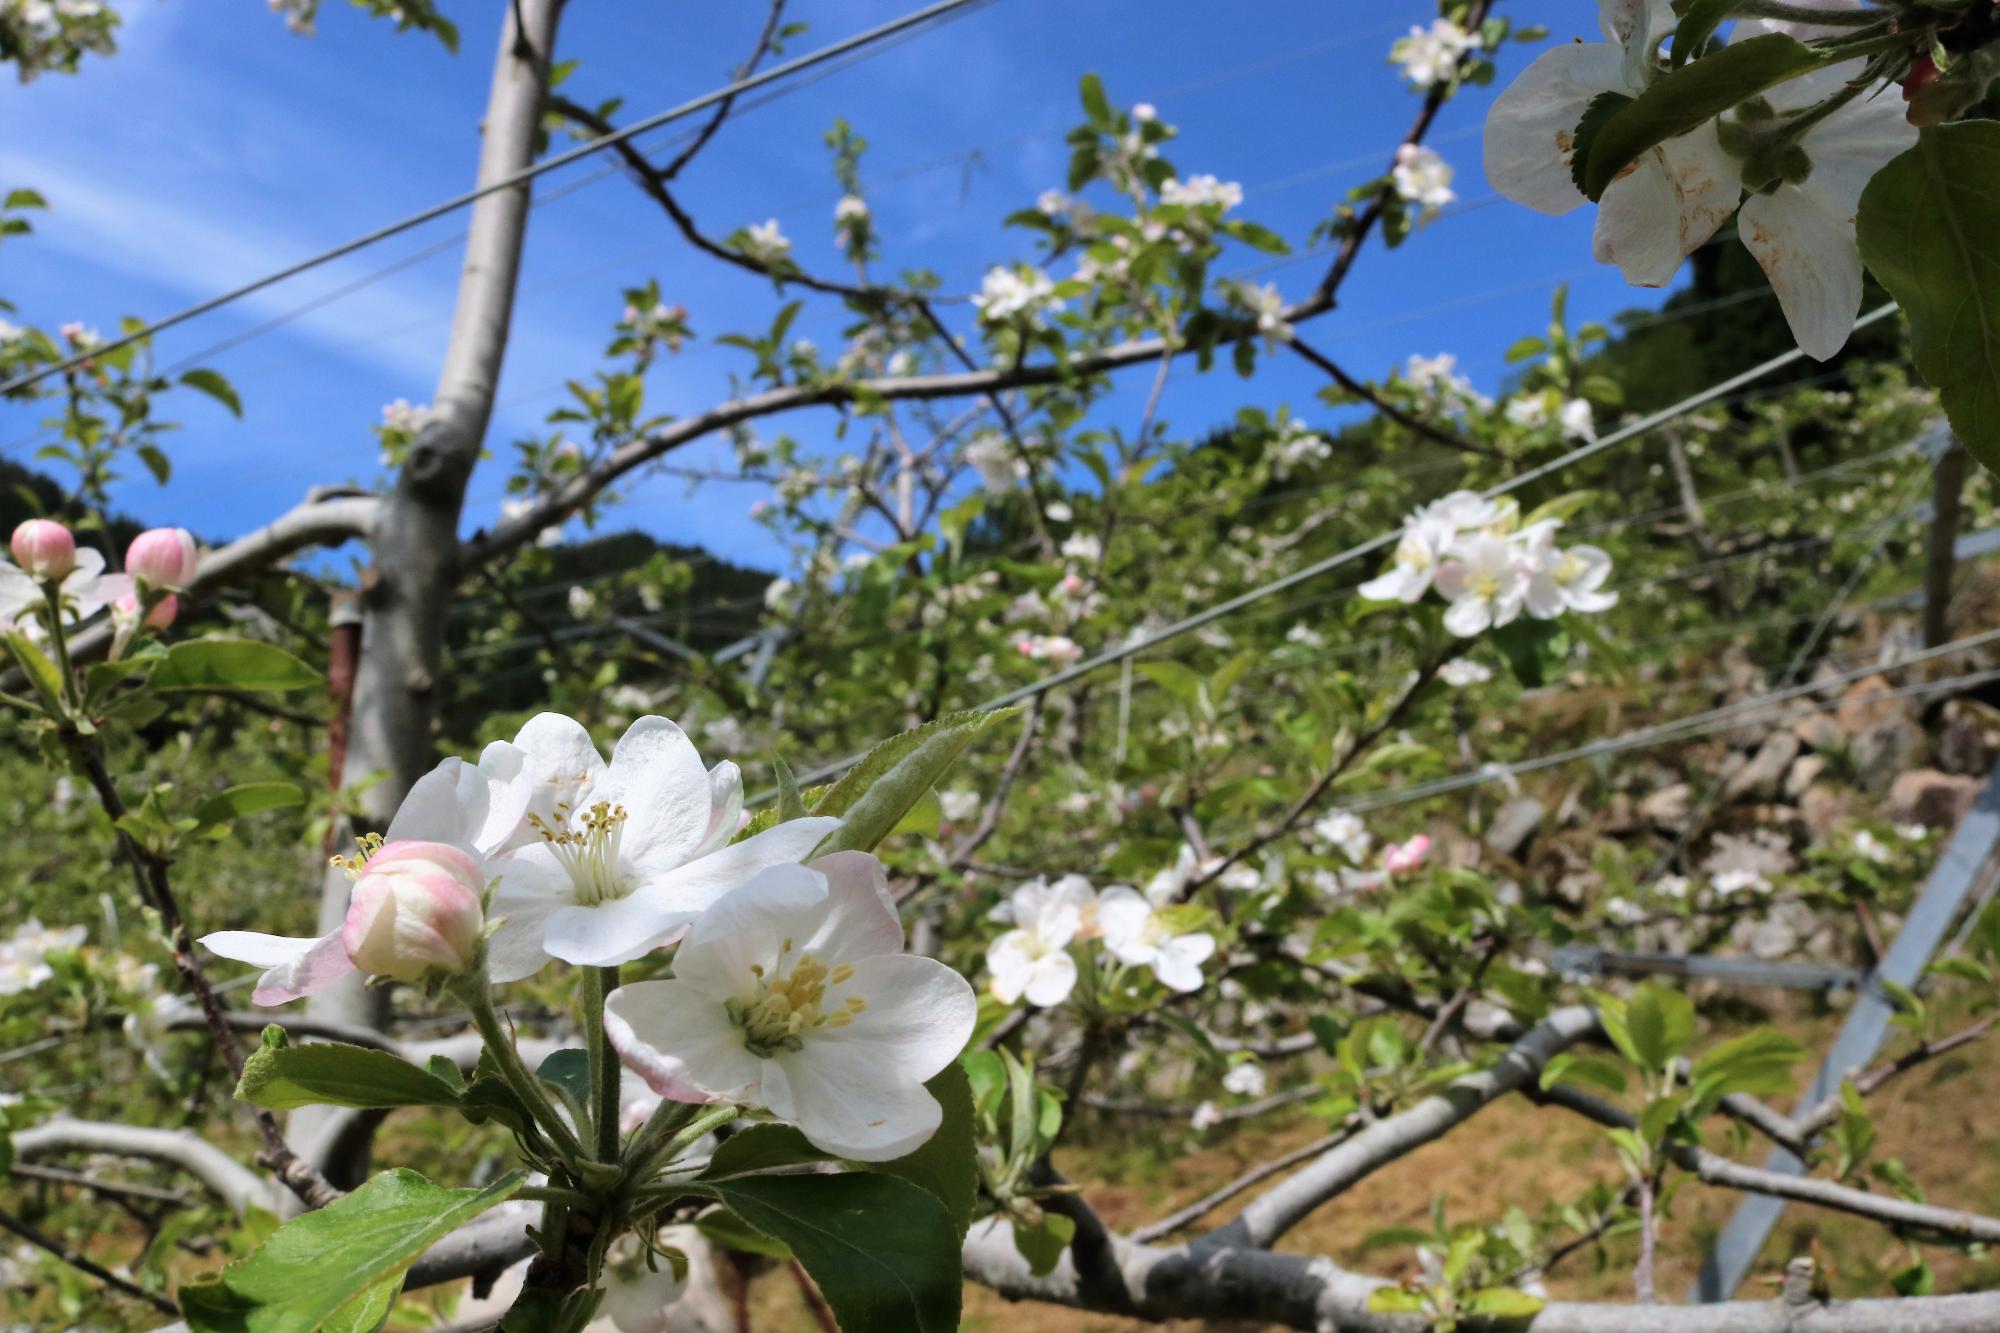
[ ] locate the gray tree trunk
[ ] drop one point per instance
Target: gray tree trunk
(408, 589)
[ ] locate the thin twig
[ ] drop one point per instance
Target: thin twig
(84, 1264)
(1208, 1203)
(1413, 424)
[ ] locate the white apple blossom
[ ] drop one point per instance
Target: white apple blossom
(1059, 512)
(1084, 547)
(1138, 932)
(1245, 1080)
(1201, 191)
(1563, 580)
(993, 457)
(1206, 1116)
(1423, 178)
(1485, 584)
(1430, 56)
(850, 209)
(1059, 650)
(1145, 112)
(638, 1299)
(1298, 448)
(1052, 203)
(617, 858)
(1033, 959)
(1732, 882)
(1530, 411)
(960, 804)
(1424, 541)
(1463, 671)
(766, 242)
(1023, 292)
(24, 955)
(1576, 420)
(1871, 848)
(1660, 209)
(794, 994)
(84, 591)
(1305, 636)
(1344, 830)
(1801, 230)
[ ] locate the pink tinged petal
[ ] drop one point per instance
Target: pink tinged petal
(725, 782)
(681, 1042)
(294, 967)
(699, 883)
(851, 1111)
(615, 931)
(1451, 578)
(1531, 128)
(744, 928)
(1812, 262)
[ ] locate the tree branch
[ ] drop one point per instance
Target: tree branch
(1415, 425)
(83, 1263)
(228, 1179)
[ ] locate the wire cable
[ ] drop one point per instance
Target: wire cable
(528, 173)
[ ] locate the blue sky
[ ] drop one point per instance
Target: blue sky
(216, 146)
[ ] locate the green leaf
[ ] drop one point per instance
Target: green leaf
(876, 793)
(947, 1164)
(336, 1074)
(1660, 1023)
(733, 1233)
(1570, 1067)
(760, 1148)
(1095, 104)
(231, 665)
(1930, 233)
(317, 1267)
(216, 387)
(249, 798)
(883, 1252)
(1504, 1303)
(790, 804)
(1043, 1241)
(1395, 1300)
(1595, 117)
(23, 198)
(1699, 20)
(1685, 100)
(568, 1072)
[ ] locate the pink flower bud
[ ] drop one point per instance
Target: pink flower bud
(164, 558)
(415, 912)
(1401, 858)
(45, 549)
(163, 612)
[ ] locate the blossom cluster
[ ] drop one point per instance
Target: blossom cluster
(1795, 158)
(24, 954)
(1035, 959)
(790, 988)
(50, 570)
(1430, 56)
(1490, 566)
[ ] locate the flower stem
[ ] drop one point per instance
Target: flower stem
(666, 1137)
(61, 645)
(500, 1045)
(604, 1068)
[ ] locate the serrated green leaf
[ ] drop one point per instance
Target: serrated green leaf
(336, 1074)
(322, 1263)
(874, 795)
(884, 1252)
(1928, 230)
(231, 665)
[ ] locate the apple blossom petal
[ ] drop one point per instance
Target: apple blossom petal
(858, 918)
(1468, 616)
(293, 967)
(740, 930)
(614, 931)
(560, 758)
(1531, 128)
(1626, 21)
(846, 1109)
(658, 777)
(1849, 147)
(530, 886)
(1051, 980)
(1665, 207)
(699, 883)
(1812, 262)
(920, 1014)
(725, 783)
(681, 1042)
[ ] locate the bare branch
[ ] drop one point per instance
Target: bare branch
(83, 1263)
(1415, 425)
(228, 1179)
